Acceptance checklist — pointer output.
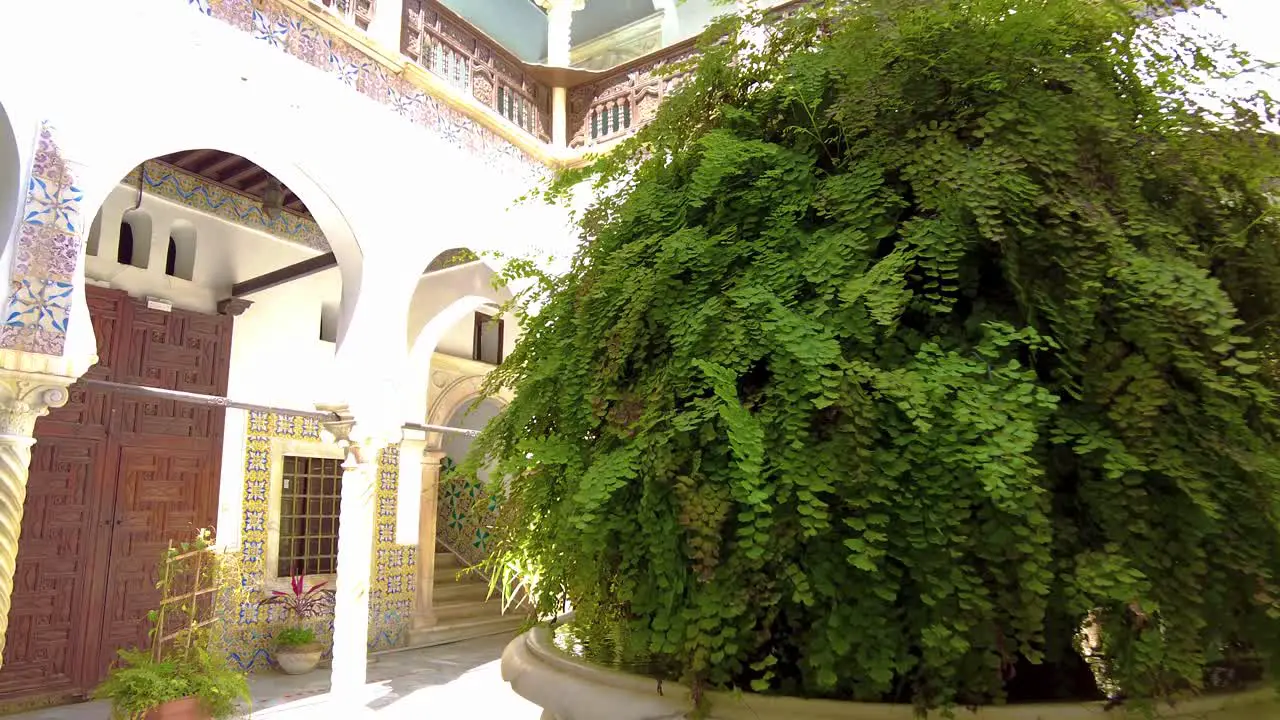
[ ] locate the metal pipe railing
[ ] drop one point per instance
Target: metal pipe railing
(218, 401)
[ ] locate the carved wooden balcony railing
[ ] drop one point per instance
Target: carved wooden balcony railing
(356, 12)
(625, 100)
(440, 41)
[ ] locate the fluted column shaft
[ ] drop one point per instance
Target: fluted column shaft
(24, 397)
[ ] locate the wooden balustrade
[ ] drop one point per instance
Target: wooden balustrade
(356, 12)
(625, 100)
(440, 41)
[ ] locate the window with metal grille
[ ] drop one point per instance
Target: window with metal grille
(310, 499)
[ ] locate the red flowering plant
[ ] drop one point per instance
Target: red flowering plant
(300, 603)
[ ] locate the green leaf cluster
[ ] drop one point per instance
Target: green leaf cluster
(192, 577)
(918, 351)
(141, 683)
(292, 636)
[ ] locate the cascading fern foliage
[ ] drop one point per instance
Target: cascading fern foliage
(918, 351)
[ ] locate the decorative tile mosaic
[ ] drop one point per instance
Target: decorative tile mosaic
(392, 593)
(194, 192)
(282, 28)
(248, 637)
(50, 235)
(467, 513)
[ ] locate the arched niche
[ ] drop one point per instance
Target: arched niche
(134, 247)
(180, 258)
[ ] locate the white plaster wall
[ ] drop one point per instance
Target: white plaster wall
(388, 194)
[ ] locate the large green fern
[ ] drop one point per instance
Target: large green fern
(917, 353)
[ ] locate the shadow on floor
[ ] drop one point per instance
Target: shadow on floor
(462, 676)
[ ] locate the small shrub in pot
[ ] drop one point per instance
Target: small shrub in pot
(297, 650)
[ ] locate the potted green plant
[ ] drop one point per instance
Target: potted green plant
(920, 355)
(178, 677)
(297, 651)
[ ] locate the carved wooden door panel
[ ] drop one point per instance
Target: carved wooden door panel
(113, 478)
(51, 598)
(63, 544)
(176, 350)
(163, 495)
(166, 458)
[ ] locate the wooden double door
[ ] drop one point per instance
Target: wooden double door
(114, 477)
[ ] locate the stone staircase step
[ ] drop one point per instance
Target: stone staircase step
(455, 631)
(476, 590)
(447, 562)
(465, 611)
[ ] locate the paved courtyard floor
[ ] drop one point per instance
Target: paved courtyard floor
(461, 680)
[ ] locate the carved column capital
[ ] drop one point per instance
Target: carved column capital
(570, 5)
(25, 397)
(361, 445)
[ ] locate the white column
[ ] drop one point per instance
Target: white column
(670, 20)
(24, 397)
(559, 25)
(355, 553)
(559, 40)
(424, 615)
(388, 15)
(409, 486)
(559, 116)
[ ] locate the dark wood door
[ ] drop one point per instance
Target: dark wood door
(114, 478)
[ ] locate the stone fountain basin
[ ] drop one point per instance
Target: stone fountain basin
(568, 688)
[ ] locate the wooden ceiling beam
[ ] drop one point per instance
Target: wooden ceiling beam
(189, 160)
(289, 273)
(242, 175)
(212, 169)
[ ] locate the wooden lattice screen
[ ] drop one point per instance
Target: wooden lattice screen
(189, 582)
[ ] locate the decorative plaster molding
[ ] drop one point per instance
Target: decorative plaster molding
(234, 307)
(24, 397)
(53, 365)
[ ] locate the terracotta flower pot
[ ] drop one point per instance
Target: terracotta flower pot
(299, 659)
(188, 708)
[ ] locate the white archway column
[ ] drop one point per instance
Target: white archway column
(670, 20)
(355, 550)
(424, 615)
(24, 397)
